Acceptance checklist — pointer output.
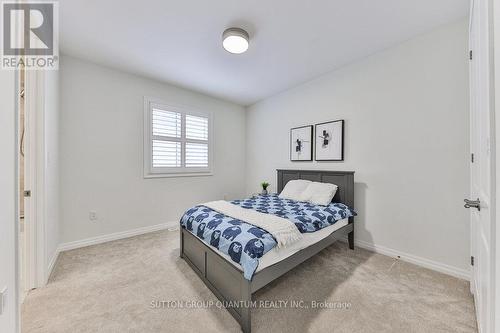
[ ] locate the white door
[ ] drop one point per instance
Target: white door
(481, 168)
(28, 235)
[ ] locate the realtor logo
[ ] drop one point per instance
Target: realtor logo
(30, 35)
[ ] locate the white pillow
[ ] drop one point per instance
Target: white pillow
(319, 193)
(294, 188)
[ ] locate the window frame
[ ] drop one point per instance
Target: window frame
(182, 171)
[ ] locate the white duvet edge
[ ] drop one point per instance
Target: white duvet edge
(284, 231)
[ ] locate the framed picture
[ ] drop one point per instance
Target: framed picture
(330, 141)
(301, 139)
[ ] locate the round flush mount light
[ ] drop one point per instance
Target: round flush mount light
(235, 40)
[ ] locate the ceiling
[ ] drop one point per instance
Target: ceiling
(291, 41)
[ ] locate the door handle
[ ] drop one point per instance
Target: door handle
(473, 204)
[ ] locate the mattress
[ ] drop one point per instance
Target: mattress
(279, 254)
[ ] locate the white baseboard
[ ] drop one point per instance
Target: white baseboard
(115, 236)
(52, 264)
(430, 264)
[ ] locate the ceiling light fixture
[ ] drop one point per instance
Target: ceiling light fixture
(235, 40)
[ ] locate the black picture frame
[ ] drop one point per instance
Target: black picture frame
(317, 142)
(310, 143)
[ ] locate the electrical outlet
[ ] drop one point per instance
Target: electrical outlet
(93, 215)
(3, 299)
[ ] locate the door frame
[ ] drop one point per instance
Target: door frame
(472, 286)
(495, 31)
(35, 213)
(492, 319)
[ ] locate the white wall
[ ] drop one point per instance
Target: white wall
(406, 112)
(101, 149)
(8, 267)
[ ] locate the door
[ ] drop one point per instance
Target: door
(481, 164)
(28, 153)
(23, 285)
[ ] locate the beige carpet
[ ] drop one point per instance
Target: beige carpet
(110, 287)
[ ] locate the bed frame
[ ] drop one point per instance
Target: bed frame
(228, 283)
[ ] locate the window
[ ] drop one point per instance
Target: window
(177, 140)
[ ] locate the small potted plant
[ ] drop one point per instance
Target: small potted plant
(264, 185)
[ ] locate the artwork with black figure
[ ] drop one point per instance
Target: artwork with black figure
(298, 146)
(330, 141)
(326, 138)
(301, 139)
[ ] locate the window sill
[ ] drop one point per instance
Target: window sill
(176, 175)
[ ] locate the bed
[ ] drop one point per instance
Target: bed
(227, 281)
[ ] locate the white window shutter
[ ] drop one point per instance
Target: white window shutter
(166, 154)
(196, 128)
(196, 155)
(177, 141)
(166, 123)
(196, 151)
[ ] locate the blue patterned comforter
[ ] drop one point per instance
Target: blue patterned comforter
(306, 216)
(245, 243)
